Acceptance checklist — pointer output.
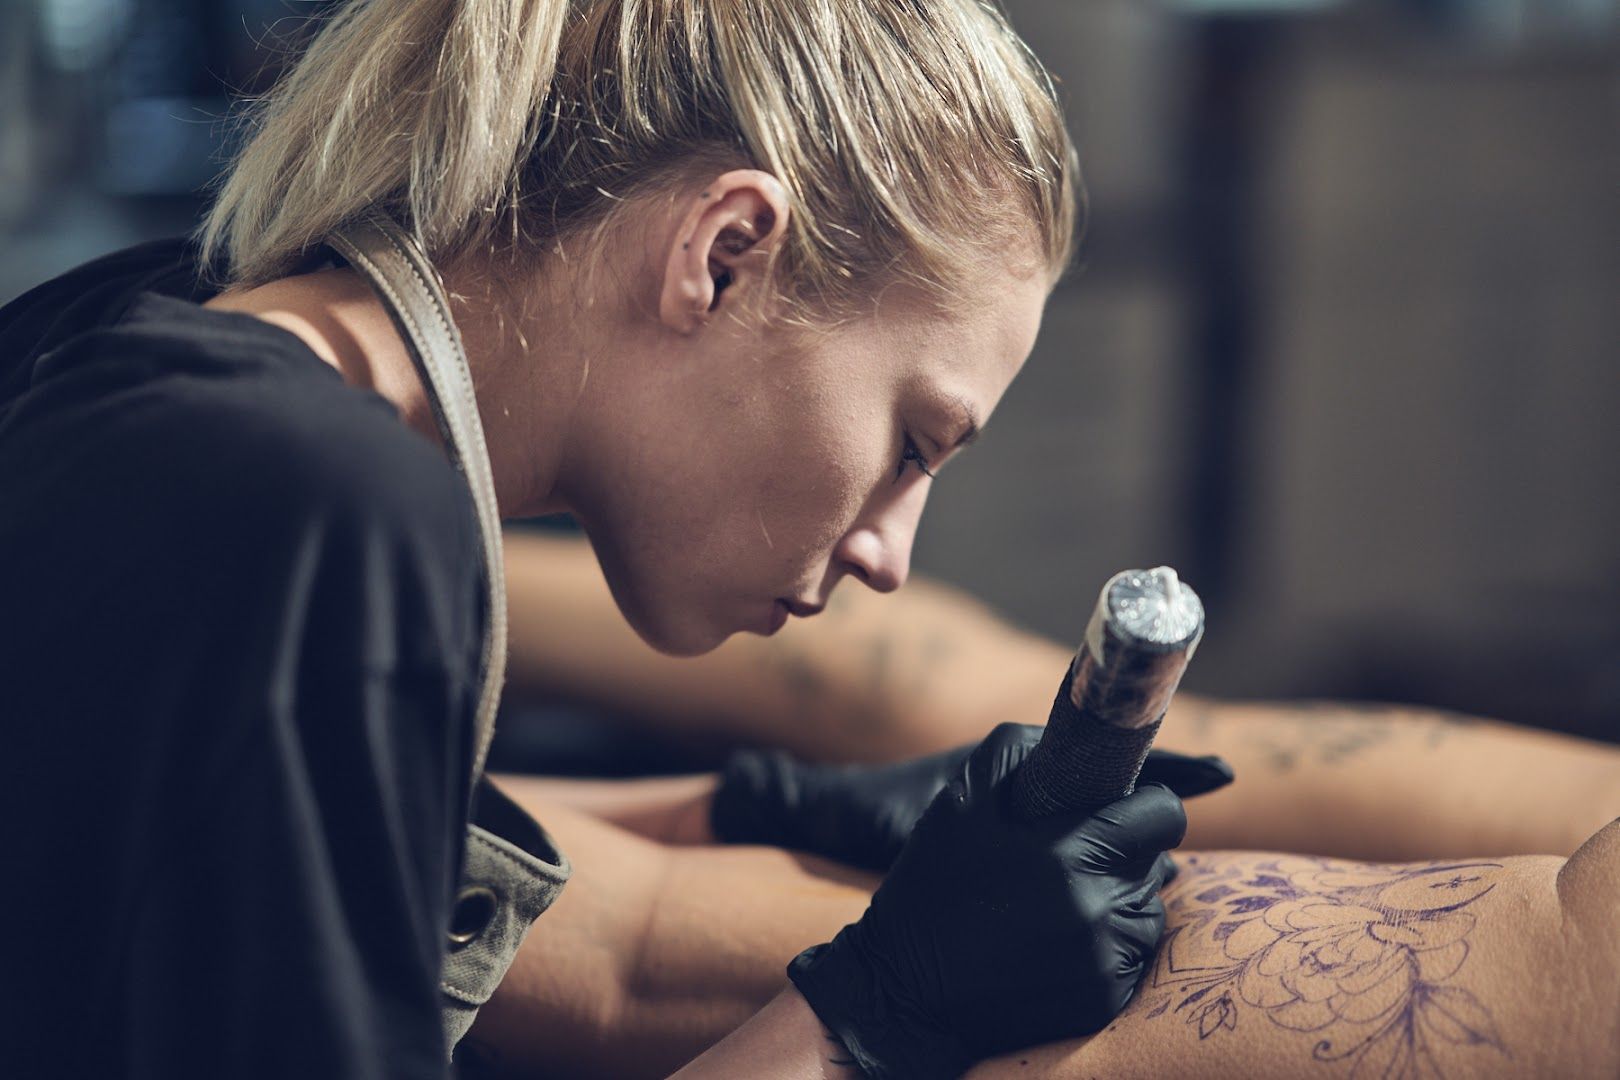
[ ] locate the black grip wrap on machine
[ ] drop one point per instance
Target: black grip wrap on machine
(1113, 697)
(1082, 761)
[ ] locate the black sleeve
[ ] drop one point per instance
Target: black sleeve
(240, 651)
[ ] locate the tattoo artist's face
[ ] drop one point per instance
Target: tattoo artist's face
(748, 482)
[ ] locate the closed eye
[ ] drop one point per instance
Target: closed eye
(911, 455)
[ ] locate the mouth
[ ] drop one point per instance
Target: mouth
(777, 619)
(782, 608)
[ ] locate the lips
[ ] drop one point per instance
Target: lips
(778, 617)
(782, 607)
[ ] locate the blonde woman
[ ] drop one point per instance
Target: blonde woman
(734, 279)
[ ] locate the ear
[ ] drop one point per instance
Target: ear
(721, 249)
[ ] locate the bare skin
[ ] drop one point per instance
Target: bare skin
(869, 679)
(1275, 965)
(1353, 782)
(652, 952)
(928, 668)
(1287, 966)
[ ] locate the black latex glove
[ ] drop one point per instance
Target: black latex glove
(862, 814)
(992, 933)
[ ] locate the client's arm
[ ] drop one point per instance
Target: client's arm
(870, 679)
(653, 953)
(1326, 779)
(1392, 783)
(928, 668)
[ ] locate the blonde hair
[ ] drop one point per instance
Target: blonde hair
(910, 135)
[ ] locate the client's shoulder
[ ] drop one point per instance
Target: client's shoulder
(1589, 890)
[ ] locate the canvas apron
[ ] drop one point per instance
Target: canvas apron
(511, 870)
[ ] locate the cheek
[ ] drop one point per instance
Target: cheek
(744, 495)
(781, 482)
(822, 465)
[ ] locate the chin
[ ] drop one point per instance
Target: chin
(674, 637)
(668, 622)
(685, 644)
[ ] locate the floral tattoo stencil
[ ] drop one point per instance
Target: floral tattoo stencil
(1358, 957)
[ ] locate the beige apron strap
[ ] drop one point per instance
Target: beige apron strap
(399, 270)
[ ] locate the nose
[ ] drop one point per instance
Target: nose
(878, 550)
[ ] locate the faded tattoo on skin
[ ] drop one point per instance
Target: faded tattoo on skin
(1328, 733)
(1359, 958)
(897, 667)
(801, 675)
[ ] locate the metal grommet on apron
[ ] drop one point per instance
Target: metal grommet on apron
(512, 871)
(471, 914)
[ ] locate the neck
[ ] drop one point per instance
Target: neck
(523, 399)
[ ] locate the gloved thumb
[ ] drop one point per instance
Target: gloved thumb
(1138, 827)
(998, 756)
(1186, 776)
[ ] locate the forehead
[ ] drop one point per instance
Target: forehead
(963, 353)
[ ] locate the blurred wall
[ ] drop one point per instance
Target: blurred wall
(1404, 396)
(1340, 344)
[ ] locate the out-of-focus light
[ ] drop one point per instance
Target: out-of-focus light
(1499, 19)
(80, 34)
(1510, 22)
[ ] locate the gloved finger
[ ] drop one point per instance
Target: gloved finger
(750, 802)
(1149, 820)
(1164, 870)
(1148, 876)
(950, 760)
(1185, 775)
(1000, 754)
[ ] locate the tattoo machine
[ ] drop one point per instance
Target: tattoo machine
(1114, 695)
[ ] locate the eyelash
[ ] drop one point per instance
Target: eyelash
(912, 455)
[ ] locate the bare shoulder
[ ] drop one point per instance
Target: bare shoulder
(1589, 883)
(1588, 888)
(1291, 966)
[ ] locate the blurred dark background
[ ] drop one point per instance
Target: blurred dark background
(1342, 345)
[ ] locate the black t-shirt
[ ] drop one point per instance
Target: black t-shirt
(241, 608)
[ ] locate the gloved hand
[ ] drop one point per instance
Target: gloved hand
(862, 814)
(991, 933)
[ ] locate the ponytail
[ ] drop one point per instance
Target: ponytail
(425, 107)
